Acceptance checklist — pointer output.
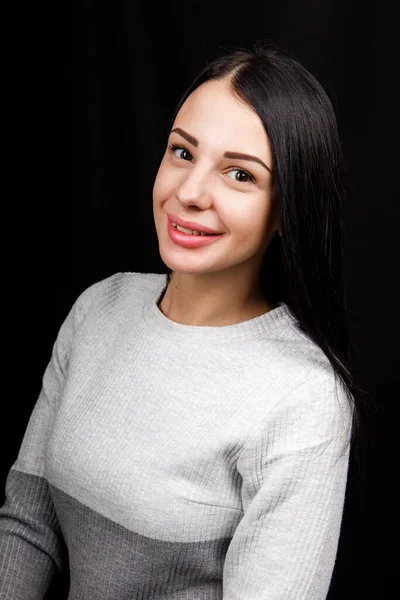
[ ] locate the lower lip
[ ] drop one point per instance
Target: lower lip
(189, 240)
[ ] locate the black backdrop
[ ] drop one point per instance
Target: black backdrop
(92, 90)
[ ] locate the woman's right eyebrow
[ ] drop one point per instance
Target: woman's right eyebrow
(192, 140)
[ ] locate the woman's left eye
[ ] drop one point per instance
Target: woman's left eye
(242, 176)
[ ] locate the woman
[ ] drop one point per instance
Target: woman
(192, 435)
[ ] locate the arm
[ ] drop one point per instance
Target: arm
(294, 473)
(31, 547)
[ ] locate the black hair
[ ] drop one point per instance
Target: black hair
(304, 266)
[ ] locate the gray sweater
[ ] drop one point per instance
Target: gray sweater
(177, 462)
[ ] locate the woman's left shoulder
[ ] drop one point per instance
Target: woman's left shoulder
(321, 405)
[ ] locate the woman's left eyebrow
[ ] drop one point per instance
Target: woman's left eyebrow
(239, 155)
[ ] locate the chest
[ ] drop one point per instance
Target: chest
(157, 455)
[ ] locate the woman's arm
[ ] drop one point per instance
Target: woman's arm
(294, 473)
(31, 548)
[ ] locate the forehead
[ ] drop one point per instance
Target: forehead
(217, 117)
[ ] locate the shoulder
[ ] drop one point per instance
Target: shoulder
(292, 365)
(114, 291)
(321, 405)
(314, 414)
(105, 301)
(300, 354)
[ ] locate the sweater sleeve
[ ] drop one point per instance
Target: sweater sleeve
(294, 475)
(30, 537)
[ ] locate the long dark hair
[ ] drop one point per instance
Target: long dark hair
(304, 266)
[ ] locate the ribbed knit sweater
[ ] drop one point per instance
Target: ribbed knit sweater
(177, 462)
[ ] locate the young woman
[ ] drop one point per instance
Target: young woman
(192, 435)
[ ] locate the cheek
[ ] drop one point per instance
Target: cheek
(246, 215)
(250, 223)
(157, 186)
(164, 184)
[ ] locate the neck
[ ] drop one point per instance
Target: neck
(174, 311)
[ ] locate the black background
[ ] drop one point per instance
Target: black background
(92, 87)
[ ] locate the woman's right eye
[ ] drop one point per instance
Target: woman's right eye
(180, 151)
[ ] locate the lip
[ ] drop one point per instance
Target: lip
(188, 240)
(191, 225)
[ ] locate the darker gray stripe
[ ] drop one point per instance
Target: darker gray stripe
(31, 549)
(110, 562)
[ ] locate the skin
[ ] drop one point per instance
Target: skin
(217, 284)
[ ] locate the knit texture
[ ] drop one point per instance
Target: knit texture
(177, 462)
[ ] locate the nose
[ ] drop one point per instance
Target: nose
(195, 186)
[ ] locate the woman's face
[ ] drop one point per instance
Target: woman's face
(200, 180)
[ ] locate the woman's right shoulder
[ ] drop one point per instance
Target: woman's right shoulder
(113, 291)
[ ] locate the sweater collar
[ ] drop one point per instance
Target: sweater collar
(274, 322)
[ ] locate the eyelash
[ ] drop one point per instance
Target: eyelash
(173, 147)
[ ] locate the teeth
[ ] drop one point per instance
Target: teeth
(189, 231)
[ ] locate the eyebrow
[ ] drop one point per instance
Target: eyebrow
(239, 155)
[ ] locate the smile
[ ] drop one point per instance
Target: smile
(190, 231)
(189, 238)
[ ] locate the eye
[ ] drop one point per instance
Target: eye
(242, 176)
(180, 151)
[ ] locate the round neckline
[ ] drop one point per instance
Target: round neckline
(276, 319)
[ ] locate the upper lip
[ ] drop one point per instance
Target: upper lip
(191, 224)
